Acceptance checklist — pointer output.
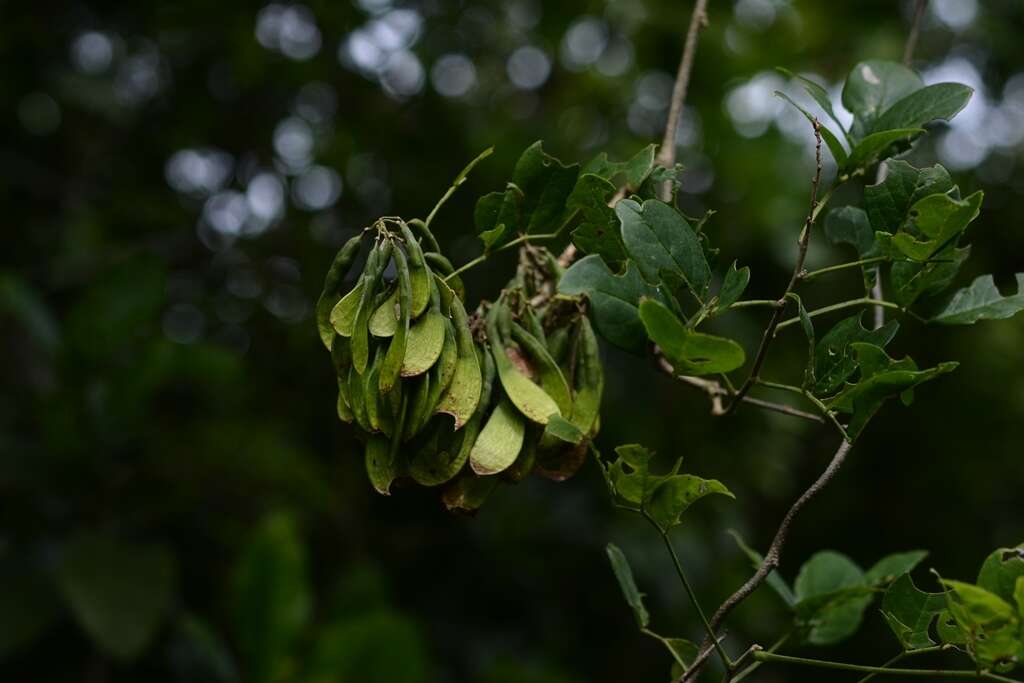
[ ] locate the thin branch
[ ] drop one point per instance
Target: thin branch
(915, 28)
(690, 592)
(667, 153)
(804, 241)
(879, 303)
(774, 554)
(903, 655)
(756, 665)
(842, 666)
(811, 274)
(716, 391)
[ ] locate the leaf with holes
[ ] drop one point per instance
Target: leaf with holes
(981, 301)
(881, 379)
(614, 299)
(689, 352)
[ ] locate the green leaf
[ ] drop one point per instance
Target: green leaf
(774, 580)
(270, 600)
(835, 360)
(892, 566)
(808, 327)
(831, 598)
(563, 430)
(850, 225)
(1001, 571)
(631, 173)
(664, 497)
(546, 184)
(733, 286)
(910, 280)
(874, 86)
(614, 299)
(691, 353)
(910, 612)
(624, 575)
(826, 572)
(887, 203)
(881, 379)
(670, 499)
(629, 478)
(118, 592)
(940, 219)
(991, 625)
(658, 238)
(981, 301)
(831, 141)
(598, 233)
(498, 216)
(876, 146)
(939, 101)
(818, 93)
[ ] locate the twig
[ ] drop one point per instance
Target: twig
(774, 554)
(667, 153)
(915, 28)
(804, 241)
(903, 655)
(716, 391)
(689, 591)
(842, 666)
(878, 303)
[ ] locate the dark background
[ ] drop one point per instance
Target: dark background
(174, 180)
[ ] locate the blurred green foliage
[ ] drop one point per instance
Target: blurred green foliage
(178, 501)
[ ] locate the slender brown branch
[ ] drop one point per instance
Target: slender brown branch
(915, 29)
(772, 557)
(716, 392)
(803, 242)
(667, 153)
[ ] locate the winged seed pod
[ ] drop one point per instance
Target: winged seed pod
(444, 399)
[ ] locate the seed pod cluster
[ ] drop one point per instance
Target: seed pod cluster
(445, 399)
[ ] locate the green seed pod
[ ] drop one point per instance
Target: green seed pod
(380, 463)
(426, 339)
(441, 265)
(468, 492)
(420, 228)
(360, 330)
(357, 398)
(500, 440)
(530, 399)
(551, 378)
(419, 272)
(384, 320)
(437, 468)
(461, 398)
(343, 315)
(395, 358)
(531, 322)
(419, 408)
(331, 293)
